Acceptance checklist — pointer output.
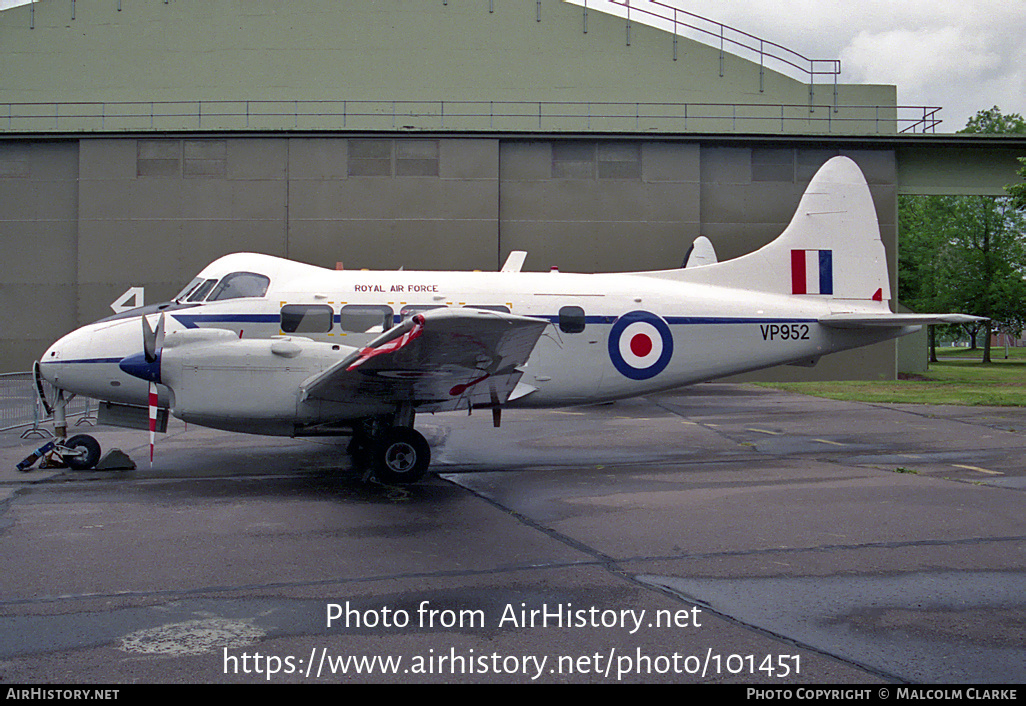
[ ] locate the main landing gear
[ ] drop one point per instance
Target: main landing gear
(391, 448)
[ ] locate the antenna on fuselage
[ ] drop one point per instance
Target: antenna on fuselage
(515, 261)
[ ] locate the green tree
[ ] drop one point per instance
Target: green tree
(994, 122)
(1018, 191)
(986, 262)
(923, 257)
(966, 253)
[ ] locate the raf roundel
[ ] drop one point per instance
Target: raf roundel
(640, 345)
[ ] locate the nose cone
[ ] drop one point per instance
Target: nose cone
(86, 362)
(48, 363)
(59, 358)
(137, 366)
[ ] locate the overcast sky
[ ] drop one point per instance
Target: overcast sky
(961, 55)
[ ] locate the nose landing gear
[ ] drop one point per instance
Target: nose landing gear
(79, 453)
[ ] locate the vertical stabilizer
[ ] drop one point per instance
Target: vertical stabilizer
(831, 249)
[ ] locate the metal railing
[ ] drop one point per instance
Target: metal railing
(470, 116)
(681, 22)
(20, 406)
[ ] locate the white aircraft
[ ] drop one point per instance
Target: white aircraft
(262, 345)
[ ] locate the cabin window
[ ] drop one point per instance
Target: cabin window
(306, 318)
(413, 309)
(571, 319)
(365, 318)
(239, 285)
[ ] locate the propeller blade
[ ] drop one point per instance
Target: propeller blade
(149, 341)
(159, 335)
(153, 339)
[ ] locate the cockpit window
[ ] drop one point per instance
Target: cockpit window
(201, 291)
(240, 284)
(188, 288)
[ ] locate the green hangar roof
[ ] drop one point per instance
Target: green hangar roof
(492, 65)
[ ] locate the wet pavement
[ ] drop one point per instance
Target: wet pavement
(725, 533)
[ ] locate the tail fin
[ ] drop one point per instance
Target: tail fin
(831, 248)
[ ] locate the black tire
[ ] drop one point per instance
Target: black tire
(401, 456)
(83, 442)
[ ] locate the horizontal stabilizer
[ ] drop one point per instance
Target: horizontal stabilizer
(894, 320)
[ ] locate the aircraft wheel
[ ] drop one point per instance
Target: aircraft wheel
(83, 442)
(402, 456)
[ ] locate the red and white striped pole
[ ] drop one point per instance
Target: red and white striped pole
(153, 418)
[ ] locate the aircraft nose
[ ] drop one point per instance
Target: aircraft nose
(47, 364)
(57, 356)
(86, 362)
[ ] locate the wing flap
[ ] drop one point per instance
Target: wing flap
(441, 359)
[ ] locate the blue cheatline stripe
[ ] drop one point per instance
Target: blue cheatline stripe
(80, 360)
(826, 271)
(193, 321)
(694, 320)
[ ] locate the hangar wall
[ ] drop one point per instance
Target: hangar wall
(141, 140)
(83, 220)
(100, 65)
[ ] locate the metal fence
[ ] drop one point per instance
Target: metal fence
(20, 406)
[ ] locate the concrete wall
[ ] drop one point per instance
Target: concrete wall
(981, 165)
(81, 221)
(39, 211)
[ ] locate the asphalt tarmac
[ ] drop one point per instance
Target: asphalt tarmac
(722, 534)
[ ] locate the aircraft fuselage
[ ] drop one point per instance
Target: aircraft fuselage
(609, 336)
